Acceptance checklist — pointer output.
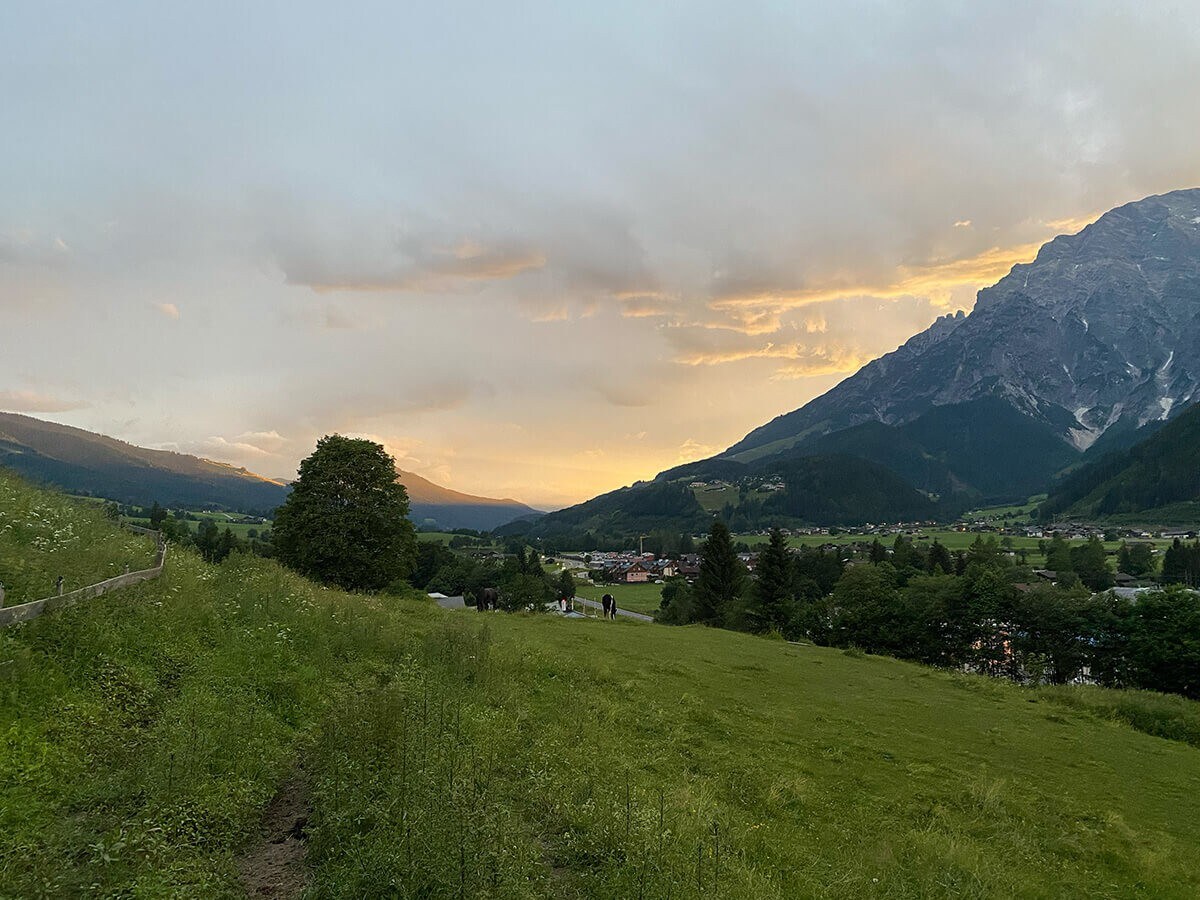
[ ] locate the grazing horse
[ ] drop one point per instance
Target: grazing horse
(486, 599)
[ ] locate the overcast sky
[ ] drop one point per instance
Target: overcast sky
(538, 250)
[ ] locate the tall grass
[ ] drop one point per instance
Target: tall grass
(141, 733)
(1162, 715)
(44, 535)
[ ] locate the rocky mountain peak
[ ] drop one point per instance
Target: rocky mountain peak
(1100, 330)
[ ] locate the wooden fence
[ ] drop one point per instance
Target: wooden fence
(25, 611)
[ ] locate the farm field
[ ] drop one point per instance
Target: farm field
(713, 501)
(643, 598)
(240, 530)
(444, 538)
(222, 521)
(435, 537)
(954, 540)
(1016, 514)
(519, 756)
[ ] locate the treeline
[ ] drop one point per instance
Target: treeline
(973, 610)
(1181, 564)
(519, 578)
(833, 489)
(213, 542)
(208, 539)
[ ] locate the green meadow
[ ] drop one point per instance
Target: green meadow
(643, 598)
(953, 540)
(436, 537)
(240, 529)
(458, 754)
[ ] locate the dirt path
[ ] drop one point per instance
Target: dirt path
(274, 867)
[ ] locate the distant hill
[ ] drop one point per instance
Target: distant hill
(834, 490)
(1157, 479)
(443, 508)
(623, 513)
(82, 462)
(978, 450)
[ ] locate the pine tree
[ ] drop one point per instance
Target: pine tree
(1175, 563)
(903, 552)
(1089, 563)
(1124, 560)
(722, 577)
(770, 603)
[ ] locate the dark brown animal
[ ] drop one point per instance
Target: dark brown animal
(486, 599)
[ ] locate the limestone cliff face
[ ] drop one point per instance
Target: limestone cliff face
(1100, 332)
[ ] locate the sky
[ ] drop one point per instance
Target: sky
(537, 250)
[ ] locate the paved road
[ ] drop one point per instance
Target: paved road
(629, 614)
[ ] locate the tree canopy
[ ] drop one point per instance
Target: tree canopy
(346, 519)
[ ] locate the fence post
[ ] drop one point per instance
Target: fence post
(1, 595)
(126, 568)
(60, 585)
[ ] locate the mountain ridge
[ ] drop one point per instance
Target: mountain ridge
(1093, 344)
(1101, 327)
(86, 462)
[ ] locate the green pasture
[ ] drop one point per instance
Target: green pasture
(715, 500)
(435, 537)
(240, 530)
(458, 754)
(643, 598)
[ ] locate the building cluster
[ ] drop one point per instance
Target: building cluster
(630, 567)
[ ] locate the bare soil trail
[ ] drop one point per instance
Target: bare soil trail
(274, 866)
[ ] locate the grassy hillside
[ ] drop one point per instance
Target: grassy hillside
(643, 598)
(463, 754)
(44, 535)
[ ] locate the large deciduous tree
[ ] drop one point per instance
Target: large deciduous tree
(346, 519)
